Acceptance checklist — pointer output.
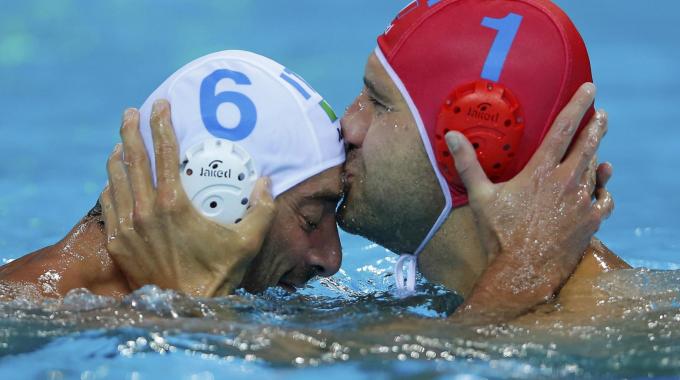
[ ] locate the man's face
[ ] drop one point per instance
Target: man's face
(303, 241)
(391, 193)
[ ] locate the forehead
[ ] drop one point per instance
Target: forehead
(325, 184)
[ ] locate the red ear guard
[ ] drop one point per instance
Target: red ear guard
(446, 53)
(490, 116)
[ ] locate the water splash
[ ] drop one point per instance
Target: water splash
(347, 321)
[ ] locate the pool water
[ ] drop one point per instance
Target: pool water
(69, 68)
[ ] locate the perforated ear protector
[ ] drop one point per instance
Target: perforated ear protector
(218, 176)
(491, 117)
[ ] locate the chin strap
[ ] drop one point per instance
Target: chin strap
(408, 285)
(412, 260)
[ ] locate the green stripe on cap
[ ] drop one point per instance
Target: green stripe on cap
(329, 111)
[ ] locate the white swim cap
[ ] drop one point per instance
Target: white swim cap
(286, 127)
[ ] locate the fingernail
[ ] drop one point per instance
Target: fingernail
(160, 104)
(116, 148)
(453, 141)
(589, 88)
(601, 117)
(156, 107)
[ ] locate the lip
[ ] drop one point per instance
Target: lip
(287, 286)
(348, 176)
(350, 165)
(347, 172)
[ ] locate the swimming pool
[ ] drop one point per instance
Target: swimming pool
(69, 68)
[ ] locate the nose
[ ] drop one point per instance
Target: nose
(326, 257)
(326, 264)
(355, 122)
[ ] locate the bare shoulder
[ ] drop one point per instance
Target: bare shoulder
(34, 276)
(580, 298)
(580, 291)
(597, 259)
(80, 260)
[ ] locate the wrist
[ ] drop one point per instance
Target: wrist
(509, 287)
(201, 284)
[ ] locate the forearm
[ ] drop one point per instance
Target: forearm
(509, 289)
(500, 296)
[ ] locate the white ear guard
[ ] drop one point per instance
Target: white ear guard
(218, 177)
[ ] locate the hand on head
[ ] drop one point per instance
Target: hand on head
(154, 233)
(538, 224)
(293, 141)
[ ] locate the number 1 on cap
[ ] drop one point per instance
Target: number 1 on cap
(507, 28)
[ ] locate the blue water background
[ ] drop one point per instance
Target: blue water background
(69, 68)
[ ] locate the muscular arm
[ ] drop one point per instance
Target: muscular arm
(113, 258)
(80, 260)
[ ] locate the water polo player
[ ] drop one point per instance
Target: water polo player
(499, 72)
(237, 117)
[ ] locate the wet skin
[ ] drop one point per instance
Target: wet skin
(302, 243)
(392, 196)
(299, 238)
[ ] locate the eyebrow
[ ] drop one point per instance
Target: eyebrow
(373, 89)
(326, 196)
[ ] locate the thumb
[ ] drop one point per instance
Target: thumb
(257, 221)
(475, 180)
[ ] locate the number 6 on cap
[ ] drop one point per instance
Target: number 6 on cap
(210, 102)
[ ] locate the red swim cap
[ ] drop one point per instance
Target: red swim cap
(498, 71)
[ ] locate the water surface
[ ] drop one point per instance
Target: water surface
(69, 68)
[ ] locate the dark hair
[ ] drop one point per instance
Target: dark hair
(96, 213)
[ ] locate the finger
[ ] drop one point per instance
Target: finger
(165, 147)
(563, 129)
(254, 226)
(468, 166)
(119, 184)
(604, 174)
(604, 203)
(136, 161)
(586, 145)
(589, 178)
(109, 213)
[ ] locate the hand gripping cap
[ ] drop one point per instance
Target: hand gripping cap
(498, 71)
(238, 115)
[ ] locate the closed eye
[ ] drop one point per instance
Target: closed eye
(376, 102)
(311, 225)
